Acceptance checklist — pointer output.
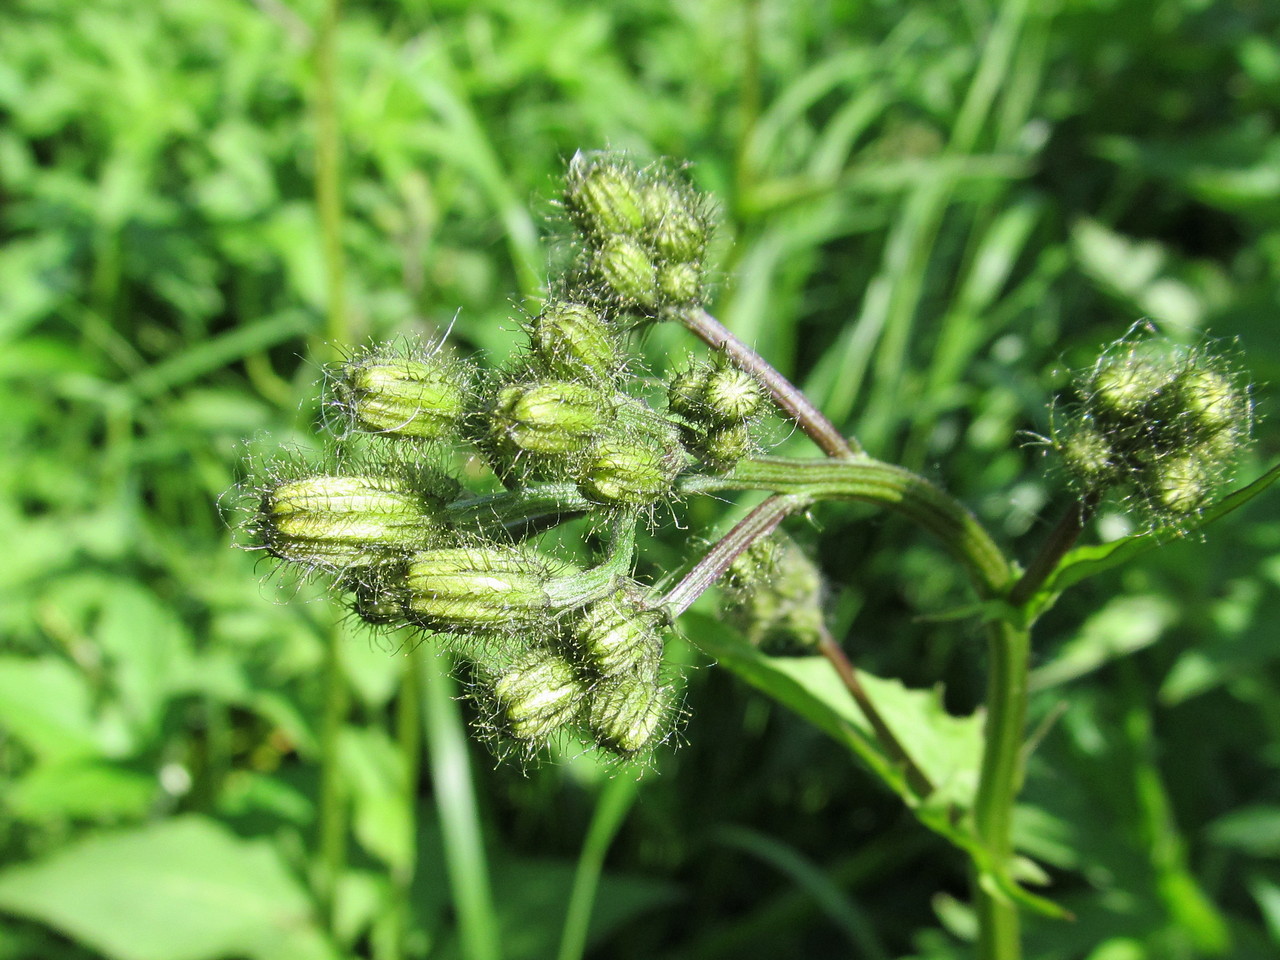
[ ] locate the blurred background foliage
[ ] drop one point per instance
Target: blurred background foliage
(931, 211)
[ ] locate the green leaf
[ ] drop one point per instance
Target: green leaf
(947, 749)
(182, 889)
(1123, 626)
(1089, 561)
(45, 705)
(82, 789)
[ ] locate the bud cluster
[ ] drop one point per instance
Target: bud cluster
(774, 594)
(715, 405)
(644, 232)
(552, 646)
(1157, 422)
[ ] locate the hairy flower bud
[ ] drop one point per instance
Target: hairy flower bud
(680, 283)
(635, 466)
(1157, 419)
(572, 340)
(718, 394)
(470, 588)
(404, 397)
(675, 221)
(722, 447)
(627, 270)
(617, 636)
(556, 417)
(627, 713)
(342, 522)
(774, 595)
(538, 695)
(603, 197)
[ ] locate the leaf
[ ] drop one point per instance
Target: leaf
(181, 889)
(1084, 562)
(1123, 626)
(45, 705)
(82, 788)
(946, 748)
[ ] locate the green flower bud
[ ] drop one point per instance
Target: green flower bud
(627, 271)
(1211, 401)
(774, 595)
(722, 447)
(538, 695)
(603, 197)
(719, 394)
(557, 417)
(342, 522)
(1089, 458)
(680, 282)
(571, 340)
(1180, 485)
(1125, 383)
(380, 603)
(635, 466)
(618, 636)
(674, 221)
(628, 713)
(475, 588)
(425, 399)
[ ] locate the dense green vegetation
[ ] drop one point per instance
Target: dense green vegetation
(930, 213)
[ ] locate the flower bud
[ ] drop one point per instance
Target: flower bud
(556, 417)
(774, 595)
(471, 588)
(341, 522)
(1211, 401)
(675, 223)
(1088, 457)
(638, 464)
(627, 713)
(603, 197)
(627, 271)
(1181, 484)
(425, 399)
(722, 447)
(680, 283)
(571, 340)
(537, 696)
(719, 394)
(617, 636)
(1125, 383)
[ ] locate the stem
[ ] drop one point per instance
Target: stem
(464, 852)
(871, 481)
(615, 802)
(999, 784)
(1062, 538)
(784, 393)
(760, 522)
(835, 655)
(332, 823)
(409, 740)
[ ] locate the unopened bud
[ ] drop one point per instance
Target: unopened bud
(618, 636)
(719, 394)
(637, 465)
(628, 713)
(1181, 484)
(721, 448)
(404, 397)
(538, 695)
(1089, 458)
(469, 588)
(1125, 383)
(627, 271)
(680, 283)
(675, 222)
(1211, 401)
(340, 522)
(603, 197)
(775, 595)
(557, 417)
(571, 340)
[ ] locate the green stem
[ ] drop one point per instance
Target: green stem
(871, 481)
(999, 783)
(332, 822)
(464, 852)
(409, 741)
(615, 801)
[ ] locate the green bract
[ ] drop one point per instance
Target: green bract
(407, 397)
